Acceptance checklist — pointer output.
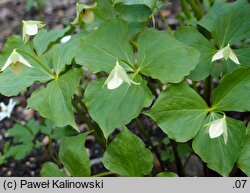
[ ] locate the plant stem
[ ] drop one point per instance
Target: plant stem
(82, 116)
(81, 103)
(208, 86)
(196, 9)
(178, 163)
(104, 174)
(40, 63)
(92, 126)
(154, 149)
(165, 21)
(185, 8)
(55, 158)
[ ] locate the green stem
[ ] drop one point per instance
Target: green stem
(208, 89)
(135, 46)
(129, 65)
(82, 116)
(154, 149)
(92, 126)
(104, 174)
(178, 163)
(55, 158)
(40, 63)
(185, 8)
(197, 12)
(165, 21)
(199, 5)
(81, 102)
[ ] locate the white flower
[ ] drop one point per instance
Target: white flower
(117, 76)
(30, 28)
(84, 13)
(218, 128)
(226, 53)
(65, 39)
(6, 110)
(16, 62)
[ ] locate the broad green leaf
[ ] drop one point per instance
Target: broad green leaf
(61, 55)
(244, 159)
(162, 57)
(133, 13)
(233, 92)
(74, 155)
(12, 84)
(104, 46)
(226, 23)
(54, 101)
(50, 169)
(192, 37)
(150, 3)
(45, 38)
(179, 112)
(112, 109)
(19, 151)
(219, 156)
(104, 10)
(243, 54)
(167, 174)
(127, 155)
(24, 133)
(136, 13)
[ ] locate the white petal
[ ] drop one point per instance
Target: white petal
(11, 106)
(24, 61)
(7, 63)
(3, 115)
(65, 39)
(115, 82)
(31, 29)
(234, 58)
(218, 55)
(3, 106)
(216, 129)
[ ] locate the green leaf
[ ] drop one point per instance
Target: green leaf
(109, 42)
(133, 13)
(150, 3)
(54, 101)
(12, 84)
(244, 159)
(179, 112)
(74, 155)
(45, 38)
(228, 25)
(167, 174)
(232, 94)
(115, 108)
(243, 54)
(50, 169)
(19, 151)
(24, 133)
(219, 156)
(127, 155)
(162, 57)
(104, 10)
(192, 37)
(61, 55)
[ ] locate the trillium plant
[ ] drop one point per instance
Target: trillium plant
(149, 97)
